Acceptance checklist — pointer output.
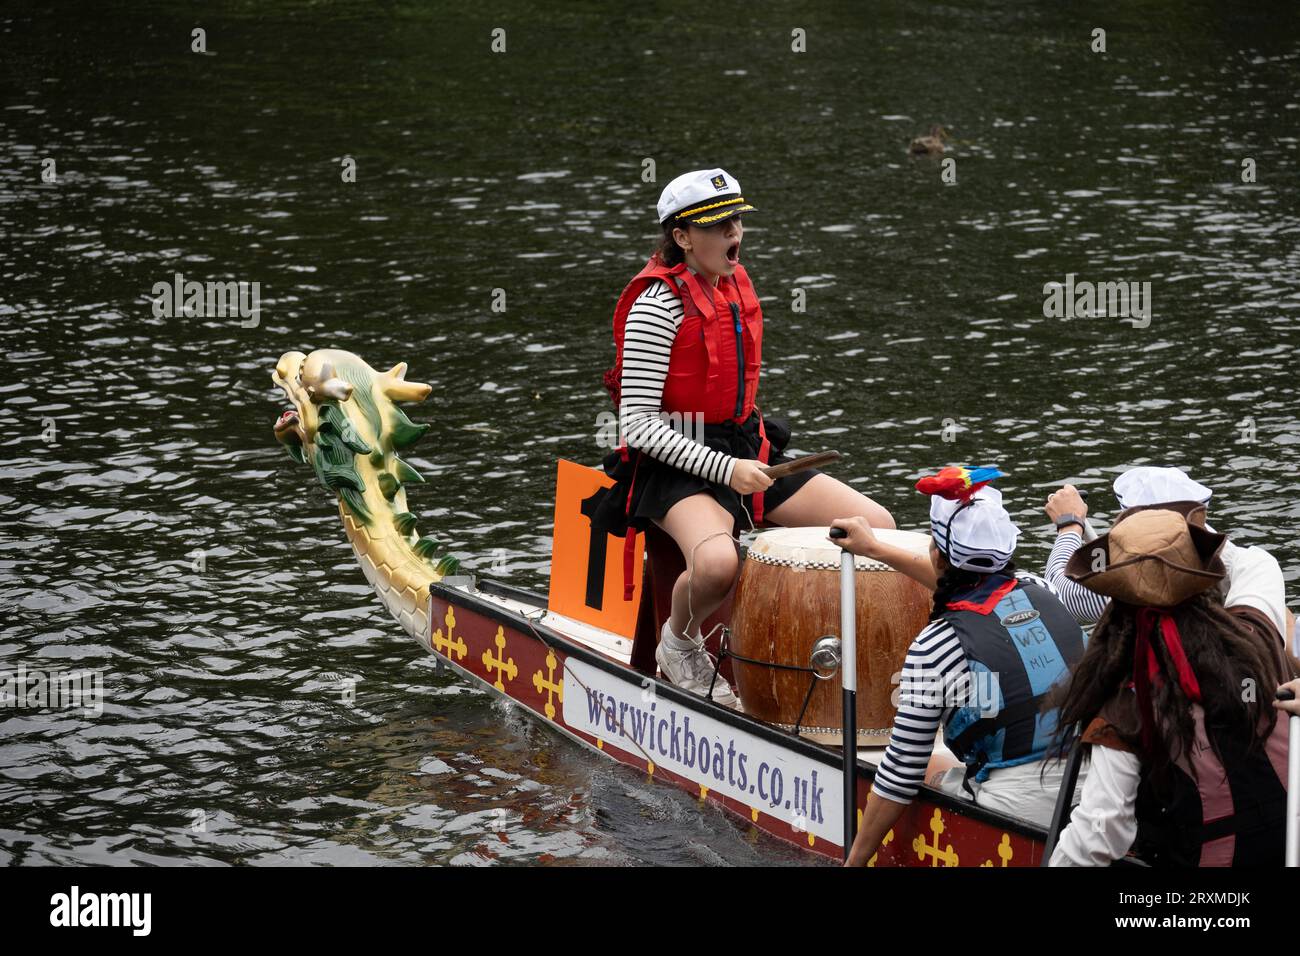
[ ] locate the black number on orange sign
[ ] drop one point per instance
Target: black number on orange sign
(595, 554)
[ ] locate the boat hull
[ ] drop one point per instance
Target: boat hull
(788, 787)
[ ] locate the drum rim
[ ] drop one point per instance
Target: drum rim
(832, 559)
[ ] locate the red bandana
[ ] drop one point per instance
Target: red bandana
(1143, 677)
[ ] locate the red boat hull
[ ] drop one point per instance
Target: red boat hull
(779, 783)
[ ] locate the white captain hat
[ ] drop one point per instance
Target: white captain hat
(702, 197)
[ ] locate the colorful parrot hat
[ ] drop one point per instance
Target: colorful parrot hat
(969, 525)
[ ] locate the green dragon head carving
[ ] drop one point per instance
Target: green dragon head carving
(345, 424)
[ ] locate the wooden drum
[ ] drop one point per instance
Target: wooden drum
(788, 596)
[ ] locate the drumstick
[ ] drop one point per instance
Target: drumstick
(800, 464)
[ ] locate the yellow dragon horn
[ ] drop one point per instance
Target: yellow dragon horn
(331, 387)
(394, 385)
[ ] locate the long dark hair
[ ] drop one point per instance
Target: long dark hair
(1227, 658)
(667, 249)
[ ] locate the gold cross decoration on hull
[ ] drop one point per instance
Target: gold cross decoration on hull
(547, 684)
(504, 666)
(946, 856)
(1005, 852)
(446, 644)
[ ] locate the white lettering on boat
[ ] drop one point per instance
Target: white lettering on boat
(760, 774)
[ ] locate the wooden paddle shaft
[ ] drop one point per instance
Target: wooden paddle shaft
(800, 464)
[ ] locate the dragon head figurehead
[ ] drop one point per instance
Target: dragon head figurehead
(345, 423)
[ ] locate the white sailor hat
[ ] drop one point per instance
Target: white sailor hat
(703, 197)
(976, 535)
(1147, 485)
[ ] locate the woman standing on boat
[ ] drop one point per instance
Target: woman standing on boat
(688, 333)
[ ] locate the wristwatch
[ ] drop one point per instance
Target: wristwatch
(1065, 520)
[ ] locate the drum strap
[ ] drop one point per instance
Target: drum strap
(764, 451)
(629, 537)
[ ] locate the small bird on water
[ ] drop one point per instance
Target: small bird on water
(931, 145)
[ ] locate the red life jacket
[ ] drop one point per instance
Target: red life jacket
(720, 324)
(714, 365)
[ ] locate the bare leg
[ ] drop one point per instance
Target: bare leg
(702, 529)
(822, 499)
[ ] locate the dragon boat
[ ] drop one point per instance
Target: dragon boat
(580, 659)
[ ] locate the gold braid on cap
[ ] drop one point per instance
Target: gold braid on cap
(725, 202)
(722, 215)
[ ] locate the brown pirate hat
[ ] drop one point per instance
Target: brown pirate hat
(1152, 557)
(1193, 511)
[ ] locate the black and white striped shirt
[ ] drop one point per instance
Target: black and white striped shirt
(934, 682)
(1085, 605)
(652, 325)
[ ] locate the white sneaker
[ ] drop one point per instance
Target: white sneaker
(692, 669)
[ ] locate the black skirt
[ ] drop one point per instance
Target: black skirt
(660, 486)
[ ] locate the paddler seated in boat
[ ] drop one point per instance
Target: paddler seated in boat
(1254, 576)
(688, 332)
(1175, 690)
(998, 640)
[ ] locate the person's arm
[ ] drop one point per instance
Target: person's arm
(648, 336)
(862, 540)
(1255, 580)
(934, 662)
(1103, 826)
(878, 819)
(1086, 605)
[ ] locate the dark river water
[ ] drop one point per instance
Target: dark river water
(153, 530)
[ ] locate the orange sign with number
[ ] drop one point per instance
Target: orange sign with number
(586, 567)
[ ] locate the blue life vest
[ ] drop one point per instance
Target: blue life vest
(1019, 641)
